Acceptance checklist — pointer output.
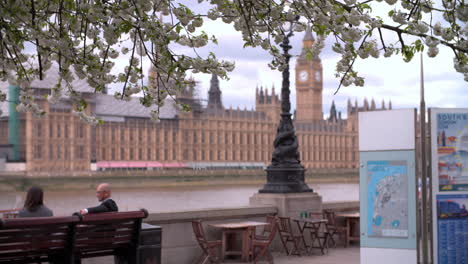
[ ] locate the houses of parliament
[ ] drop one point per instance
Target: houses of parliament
(210, 135)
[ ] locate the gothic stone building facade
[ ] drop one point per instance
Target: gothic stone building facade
(59, 141)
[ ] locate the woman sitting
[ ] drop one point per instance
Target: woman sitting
(34, 204)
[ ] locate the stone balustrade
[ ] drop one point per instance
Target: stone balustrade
(178, 241)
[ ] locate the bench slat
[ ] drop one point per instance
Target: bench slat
(93, 243)
(105, 234)
(55, 228)
(24, 238)
(33, 246)
(36, 253)
(92, 227)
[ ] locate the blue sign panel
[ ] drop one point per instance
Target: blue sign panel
(452, 228)
(388, 199)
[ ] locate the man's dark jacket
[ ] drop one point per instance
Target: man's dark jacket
(107, 205)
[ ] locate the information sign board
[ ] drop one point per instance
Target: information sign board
(387, 207)
(449, 146)
(452, 151)
(452, 228)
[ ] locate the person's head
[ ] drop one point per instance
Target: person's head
(34, 198)
(103, 191)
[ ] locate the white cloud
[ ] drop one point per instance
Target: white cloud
(386, 79)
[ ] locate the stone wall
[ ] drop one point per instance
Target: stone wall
(179, 245)
(21, 180)
(178, 241)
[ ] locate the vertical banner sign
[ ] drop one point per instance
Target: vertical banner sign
(449, 130)
(387, 186)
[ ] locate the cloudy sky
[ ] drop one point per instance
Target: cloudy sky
(386, 78)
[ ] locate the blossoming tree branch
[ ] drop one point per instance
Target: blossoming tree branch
(85, 37)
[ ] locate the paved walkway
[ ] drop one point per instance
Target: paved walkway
(338, 255)
(348, 255)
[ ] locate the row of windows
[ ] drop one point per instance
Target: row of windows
(135, 154)
(135, 135)
(194, 137)
(56, 152)
(227, 138)
(332, 141)
(58, 130)
(212, 155)
(328, 156)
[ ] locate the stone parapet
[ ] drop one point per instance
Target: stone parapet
(179, 245)
(211, 214)
(341, 206)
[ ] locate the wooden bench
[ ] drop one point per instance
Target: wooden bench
(37, 239)
(69, 239)
(108, 234)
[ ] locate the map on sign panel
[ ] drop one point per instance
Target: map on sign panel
(387, 199)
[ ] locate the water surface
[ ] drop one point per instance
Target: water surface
(169, 199)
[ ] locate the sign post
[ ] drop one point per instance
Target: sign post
(387, 143)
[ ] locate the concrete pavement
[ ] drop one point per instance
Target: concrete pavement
(337, 255)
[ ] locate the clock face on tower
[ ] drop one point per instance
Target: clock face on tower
(303, 75)
(317, 76)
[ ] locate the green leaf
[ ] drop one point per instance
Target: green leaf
(408, 53)
(178, 28)
(186, 107)
(419, 45)
(214, 40)
(309, 55)
(82, 104)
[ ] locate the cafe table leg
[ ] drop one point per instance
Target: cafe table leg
(246, 243)
(301, 232)
(223, 243)
(348, 230)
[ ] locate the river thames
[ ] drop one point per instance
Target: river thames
(172, 199)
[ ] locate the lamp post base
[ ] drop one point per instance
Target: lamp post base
(285, 180)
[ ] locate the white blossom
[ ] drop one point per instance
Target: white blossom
(388, 52)
(420, 27)
(95, 36)
(400, 17)
(431, 41)
(432, 51)
(438, 29)
(447, 34)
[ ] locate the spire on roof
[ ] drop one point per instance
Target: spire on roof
(333, 117)
(308, 35)
(214, 94)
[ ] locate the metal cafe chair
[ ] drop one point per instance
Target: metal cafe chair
(261, 244)
(287, 236)
(210, 249)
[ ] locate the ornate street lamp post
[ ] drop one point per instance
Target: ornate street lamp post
(285, 174)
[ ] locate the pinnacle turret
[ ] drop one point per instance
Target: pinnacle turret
(214, 94)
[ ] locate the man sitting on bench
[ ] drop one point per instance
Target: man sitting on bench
(103, 193)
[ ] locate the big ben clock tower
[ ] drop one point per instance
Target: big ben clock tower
(309, 84)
